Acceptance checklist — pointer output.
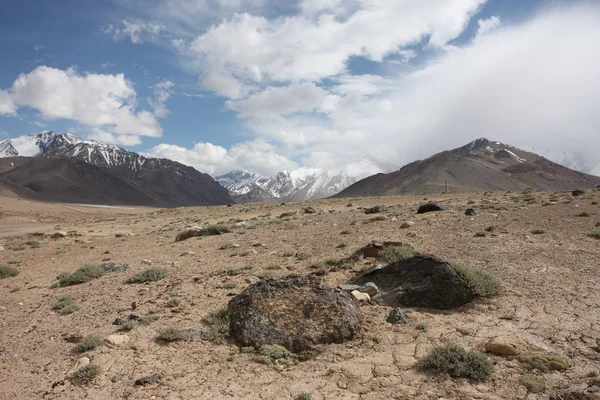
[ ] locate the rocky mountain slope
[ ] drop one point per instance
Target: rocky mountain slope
(481, 165)
(301, 184)
(149, 181)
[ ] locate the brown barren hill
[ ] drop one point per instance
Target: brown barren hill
(481, 165)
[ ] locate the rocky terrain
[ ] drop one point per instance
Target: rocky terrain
(143, 303)
(478, 166)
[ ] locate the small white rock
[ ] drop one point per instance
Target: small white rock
(360, 296)
(117, 339)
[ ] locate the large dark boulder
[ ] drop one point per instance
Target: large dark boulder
(296, 312)
(420, 281)
(429, 207)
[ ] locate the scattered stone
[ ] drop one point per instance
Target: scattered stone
(249, 252)
(133, 305)
(106, 252)
(146, 262)
(470, 212)
(258, 245)
(378, 218)
(1, 248)
(490, 228)
(198, 231)
(124, 234)
(251, 279)
(348, 288)
(187, 253)
(81, 362)
(419, 281)
(509, 345)
(407, 224)
(115, 378)
(360, 296)
(463, 332)
(296, 312)
(2, 308)
(394, 219)
(58, 235)
(397, 317)
(148, 380)
(113, 268)
(429, 207)
(373, 249)
(411, 235)
(309, 210)
(577, 192)
(369, 288)
(117, 339)
(374, 210)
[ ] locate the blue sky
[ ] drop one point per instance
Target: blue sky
(225, 84)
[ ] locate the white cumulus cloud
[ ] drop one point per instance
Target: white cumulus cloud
(97, 100)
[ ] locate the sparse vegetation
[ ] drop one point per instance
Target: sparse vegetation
(271, 354)
(582, 214)
(595, 233)
(534, 384)
(341, 245)
(86, 373)
(218, 326)
(6, 272)
(90, 342)
(274, 267)
(480, 234)
(481, 283)
(544, 362)
(346, 232)
(304, 396)
(15, 289)
(150, 275)
(34, 244)
(537, 231)
(174, 302)
(266, 275)
(228, 286)
(303, 256)
(226, 246)
(128, 325)
(65, 305)
(458, 362)
(172, 334)
(392, 254)
(81, 275)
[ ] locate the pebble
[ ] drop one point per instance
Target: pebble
(249, 252)
(187, 253)
(2, 308)
(369, 288)
(117, 339)
(396, 316)
(1, 248)
(146, 262)
(360, 296)
(407, 224)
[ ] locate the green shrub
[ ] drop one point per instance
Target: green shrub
(346, 232)
(150, 275)
(582, 214)
(481, 283)
(86, 373)
(15, 289)
(128, 325)
(218, 326)
(34, 244)
(544, 362)
(538, 231)
(458, 362)
(214, 230)
(392, 254)
(6, 272)
(173, 302)
(341, 245)
(303, 256)
(90, 342)
(480, 234)
(304, 396)
(594, 233)
(173, 335)
(534, 384)
(226, 246)
(65, 305)
(81, 275)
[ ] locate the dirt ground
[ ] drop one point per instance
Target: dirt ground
(551, 297)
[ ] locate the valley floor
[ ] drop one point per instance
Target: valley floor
(551, 297)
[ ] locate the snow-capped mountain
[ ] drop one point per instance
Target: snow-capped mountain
(164, 182)
(300, 184)
(7, 149)
(304, 183)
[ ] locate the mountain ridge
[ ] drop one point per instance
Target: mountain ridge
(479, 165)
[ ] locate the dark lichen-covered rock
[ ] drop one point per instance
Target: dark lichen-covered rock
(429, 207)
(296, 312)
(420, 281)
(375, 210)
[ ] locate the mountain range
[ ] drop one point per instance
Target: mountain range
(300, 184)
(67, 168)
(481, 165)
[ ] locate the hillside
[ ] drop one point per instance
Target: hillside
(150, 181)
(481, 165)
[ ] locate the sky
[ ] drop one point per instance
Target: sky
(270, 85)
